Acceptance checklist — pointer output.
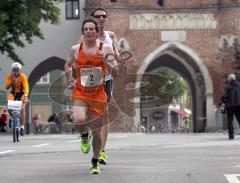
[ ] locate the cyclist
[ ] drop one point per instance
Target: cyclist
(17, 81)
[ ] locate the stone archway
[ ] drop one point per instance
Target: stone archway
(41, 69)
(186, 62)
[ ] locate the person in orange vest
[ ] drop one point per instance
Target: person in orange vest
(88, 95)
(17, 81)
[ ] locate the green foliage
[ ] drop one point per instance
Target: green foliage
(20, 19)
(169, 85)
(151, 83)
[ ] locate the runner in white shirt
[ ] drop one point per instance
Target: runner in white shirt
(108, 38)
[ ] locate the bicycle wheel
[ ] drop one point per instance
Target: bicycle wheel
(17, 134)
(14, 130)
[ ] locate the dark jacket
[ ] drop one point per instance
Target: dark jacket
(231, 95)
(52, 118)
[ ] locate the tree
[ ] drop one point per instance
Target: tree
(175, 86)
(20, 19)
(170, 85)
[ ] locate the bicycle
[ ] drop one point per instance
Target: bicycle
(15, 107)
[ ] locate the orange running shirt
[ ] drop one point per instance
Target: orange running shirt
(90, 73)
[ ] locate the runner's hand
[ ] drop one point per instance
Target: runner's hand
(72, 84)
(25, 99)
(100, 54)
(110, 58)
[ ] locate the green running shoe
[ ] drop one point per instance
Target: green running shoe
(103, 158)
(95, 168)
(85, 143)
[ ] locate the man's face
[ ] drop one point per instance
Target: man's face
(15, 72)
(101, 17)
(89, 31)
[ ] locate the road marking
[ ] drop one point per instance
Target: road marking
(232, 178)
(71, 141)
(119, 136)
(41, 145)
(8, 151)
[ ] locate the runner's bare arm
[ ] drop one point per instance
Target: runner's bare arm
(112, 63)
(114, 45)
(69, 64)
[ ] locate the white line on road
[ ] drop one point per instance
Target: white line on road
(8, 151)
(232, 178)
(119, 136)
(71, 141)
(41, 145)
(236, 166)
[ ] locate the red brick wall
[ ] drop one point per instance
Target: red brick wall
(167, 3)
(230, 21)
(208, 2)
(204, 42)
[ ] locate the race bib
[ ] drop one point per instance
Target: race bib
(14, 105)
(91, 76)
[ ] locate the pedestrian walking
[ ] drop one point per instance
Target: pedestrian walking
(231, 100)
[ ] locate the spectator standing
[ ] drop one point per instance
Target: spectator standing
(3, 120)
(36, 122)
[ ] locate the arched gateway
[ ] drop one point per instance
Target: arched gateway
(187, 63)
(46, 66)
(43, 68)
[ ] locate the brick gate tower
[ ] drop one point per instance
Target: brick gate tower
(197, 38)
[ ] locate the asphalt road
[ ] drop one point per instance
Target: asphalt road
(134, 158)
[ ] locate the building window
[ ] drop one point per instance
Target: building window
(160, 2)
(72, 9)
(44, 79)
(113, 1)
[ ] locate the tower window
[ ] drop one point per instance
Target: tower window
(72, 9)
(113, 1)
(160, 2)
(44, 79)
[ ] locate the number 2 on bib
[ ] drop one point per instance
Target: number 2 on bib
(91, 76)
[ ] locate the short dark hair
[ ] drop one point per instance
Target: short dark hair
(98, 9)
(93, 20)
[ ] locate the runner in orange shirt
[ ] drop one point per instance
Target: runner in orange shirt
(17, 81)
(108, 38)
(89, 97)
